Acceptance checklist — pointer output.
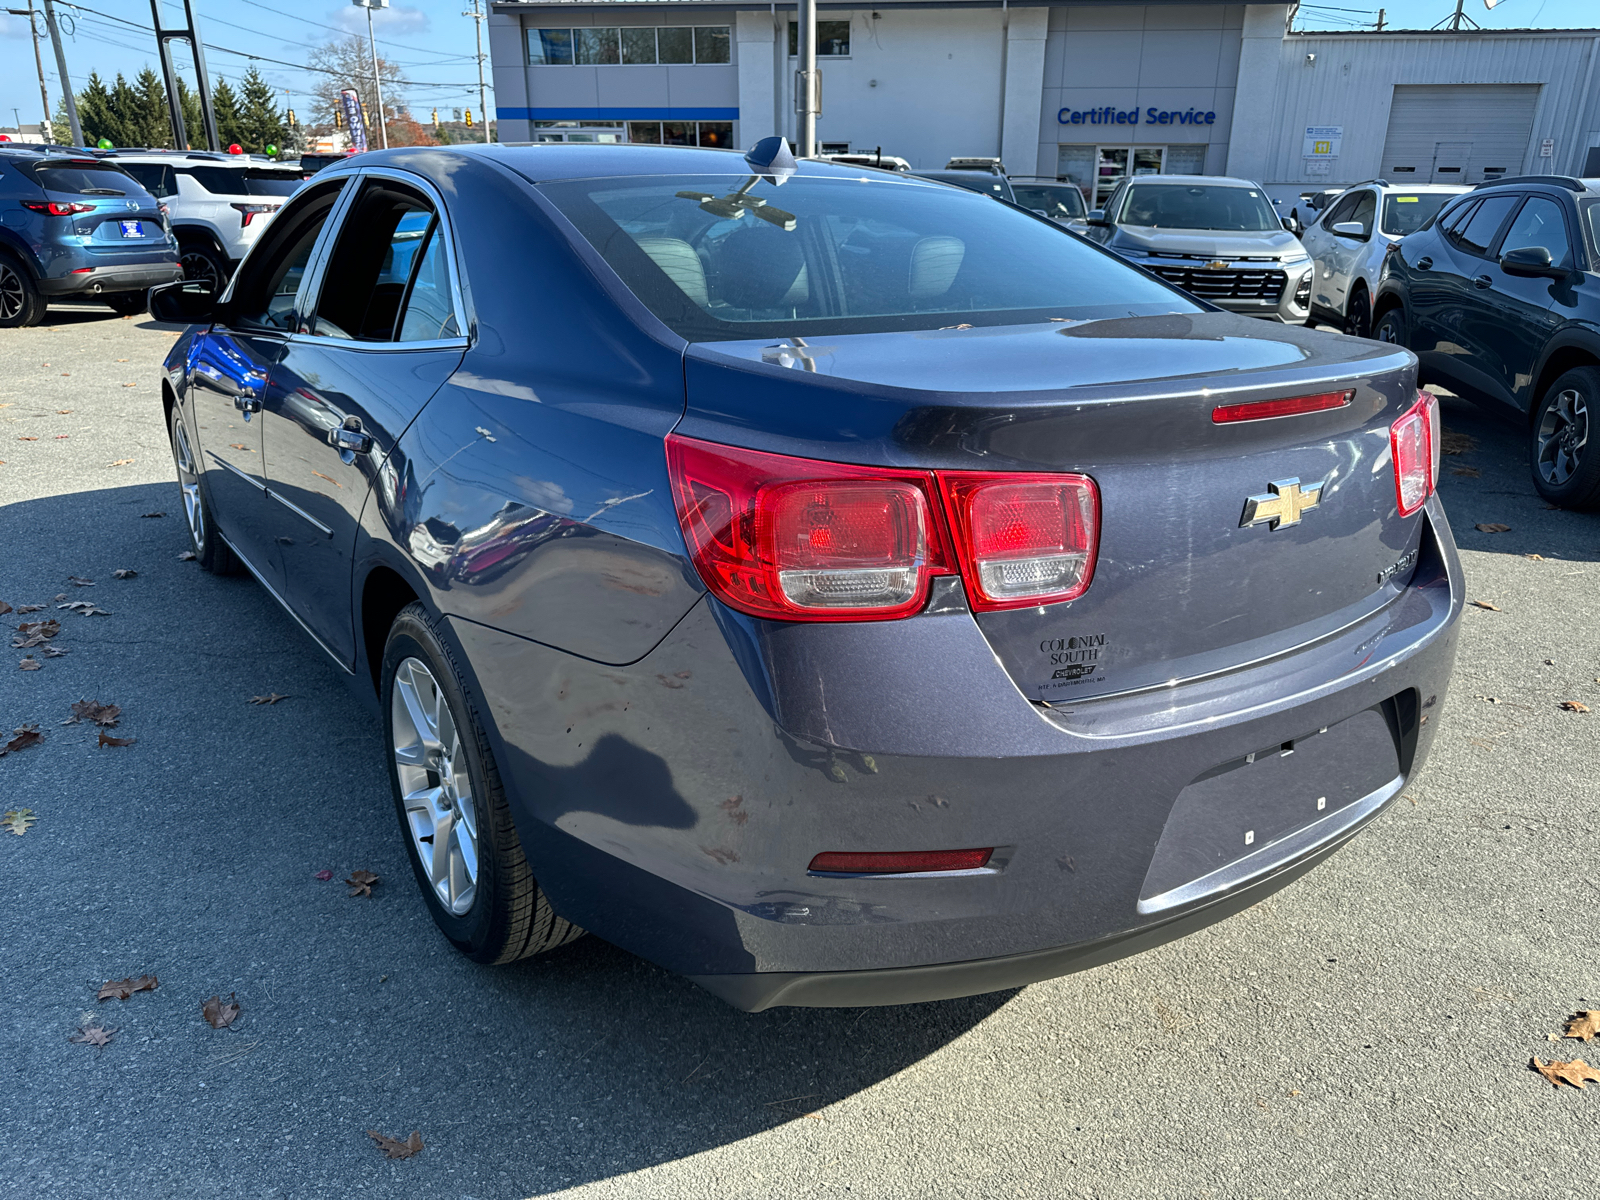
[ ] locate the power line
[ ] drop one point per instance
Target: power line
(336, 29)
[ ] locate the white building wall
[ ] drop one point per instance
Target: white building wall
(755, 35)
(1027, 34)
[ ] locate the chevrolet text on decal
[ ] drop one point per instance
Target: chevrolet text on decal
(1111, 115)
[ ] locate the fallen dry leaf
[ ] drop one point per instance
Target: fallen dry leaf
(186, 556)
(28, 608)
(92, 1035)
(27, 735)
(121, 989)
(1492, 527)
(123, 573)
(361, 883)
(1577, 1072)
(147, 516)
(1583, 1025)
(79, 581)
(48, 627)
(27, 439)
(1486, 604)
(107, 740)
(394, 1149)
(85, 608)
(29, 663)
(54, 652)
(219, 1015)
(105, 715)
(1574, 706)
(130, 385)
(60, 598)
(4, 608)
(17, 820)
(1457, 443)
(121, 462)
(119, 360)
(63, 412)
(273, 698)
(1534, 557)
(1466, 472)
(237, 446)
(323, 875)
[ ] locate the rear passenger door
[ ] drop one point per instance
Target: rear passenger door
(385, 330)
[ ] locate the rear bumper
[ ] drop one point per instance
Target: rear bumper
(672, 806)
(119, 277)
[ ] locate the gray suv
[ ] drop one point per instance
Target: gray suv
(1219, 239)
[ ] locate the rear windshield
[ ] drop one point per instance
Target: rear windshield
(245, 181)
(1060, 201)
(724, 257)
(1198, 206)
(1403, 214)
(85, 179)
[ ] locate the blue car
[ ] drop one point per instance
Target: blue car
(831, 586)
(77, 227)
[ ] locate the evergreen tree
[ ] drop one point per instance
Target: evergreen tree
(126, 115)
(60, 127)
(260, 122)
(225, 105)
(194, 123)
(155, 122)
(94, 111)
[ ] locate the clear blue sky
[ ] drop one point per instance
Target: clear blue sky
(429, 38)
(435, 43)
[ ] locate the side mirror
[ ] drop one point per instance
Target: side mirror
(1290, 224)
(1097, 216)
(1530, 262)
(1350, 229)
(183, 303)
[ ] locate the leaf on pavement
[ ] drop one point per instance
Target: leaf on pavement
(323, 875)
(271, 698)
(92, 1035)
(1492, 527)
(361, 883)
(1457, 443)
(4, 608)
(17, 820)
(1574, 706)
(397, 1149)
(27, 735)
(86, 608)
(105, 715)
(1534, 557)
(1466, 472)
(107, 740)
(30, 663)
(79, 581)
(1583, 1025)
(28, 608)
(219, 1015)
(123, 573)
(27, 439)
(187, 556)
(54, 652)
(121, 462)
(121, 989)
(1486, 604)
(1577, 1072)
(147, 516)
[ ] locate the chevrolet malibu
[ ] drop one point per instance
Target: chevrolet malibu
(837, 588)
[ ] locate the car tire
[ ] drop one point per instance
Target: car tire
(1392, 328)
(21, 303)
(202, 262)
(209, 550)
(478, 887)
(1564, 441)
(1358, 315)
(126, 304)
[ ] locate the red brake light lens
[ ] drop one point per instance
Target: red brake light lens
(1023, 539)
(249, 212)
(55, 209)
(895, 863)
(1414, 445)
(1265, 410)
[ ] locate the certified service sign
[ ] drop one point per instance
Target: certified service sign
(1322, 141)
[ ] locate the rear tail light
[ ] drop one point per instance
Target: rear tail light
(1414, 444)
(799, 539)
(1023, 539)
(249, 212)
(55, 209)
(1265, 410)
(899, 863)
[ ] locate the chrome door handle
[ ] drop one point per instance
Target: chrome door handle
(246, 401)
(349, 437)
(1424, 263)
(1482, 281)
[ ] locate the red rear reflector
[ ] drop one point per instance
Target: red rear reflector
(913, 862)
(1023, 539)
(1265, 410)
(80, 270)
(1414, 444)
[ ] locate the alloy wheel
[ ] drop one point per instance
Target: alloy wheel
(1385, 332)
(13, 293)
(189, 485)
(435, 786)
(1563, 434)
(198, 268)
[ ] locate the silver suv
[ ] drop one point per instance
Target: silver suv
(1219, 239)
(217, 203)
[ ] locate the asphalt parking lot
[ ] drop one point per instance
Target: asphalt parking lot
(1366, 1032)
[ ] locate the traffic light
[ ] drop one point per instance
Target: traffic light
(290, 117)
(338, 119)
(469, 118)
(436, 116)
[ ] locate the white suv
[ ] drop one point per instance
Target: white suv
(217, 203)
(1351, 239)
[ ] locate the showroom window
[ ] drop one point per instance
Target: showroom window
(715, 134)
(645, 45)
(833, 39)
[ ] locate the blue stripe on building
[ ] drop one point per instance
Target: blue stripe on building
(617, 114)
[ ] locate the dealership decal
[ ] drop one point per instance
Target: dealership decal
(1073, 658)
(1112, 115)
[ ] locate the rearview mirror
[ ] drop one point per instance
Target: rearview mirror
(1350, 229)
(183, 303)
(1530, 262)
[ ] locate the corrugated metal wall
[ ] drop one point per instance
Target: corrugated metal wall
(1352, 80)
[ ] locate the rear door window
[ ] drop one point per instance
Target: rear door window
(155, 178)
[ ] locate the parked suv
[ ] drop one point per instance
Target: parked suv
(1353, 237)
(219, 203)
(72, 225)
(1500, 298)
(1219, 239)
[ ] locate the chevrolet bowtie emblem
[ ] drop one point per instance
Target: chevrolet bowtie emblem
(1281, 505)
(1216, 265)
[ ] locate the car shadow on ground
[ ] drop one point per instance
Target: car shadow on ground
(193, 855)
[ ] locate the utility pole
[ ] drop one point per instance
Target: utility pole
(478, 19)
(61, 69)
(377, 79)
(38, 62)
(808, 80)
(1380, 20)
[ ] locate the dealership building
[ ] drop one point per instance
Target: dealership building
(1087, 92)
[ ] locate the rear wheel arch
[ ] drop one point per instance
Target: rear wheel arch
(190, 234)
(1386, 302)
(1560, 361)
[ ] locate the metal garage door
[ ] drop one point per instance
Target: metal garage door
(1458, 133)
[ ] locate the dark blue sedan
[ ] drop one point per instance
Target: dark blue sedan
(832, 586)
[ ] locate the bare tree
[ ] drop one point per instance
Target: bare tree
(348, 64)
